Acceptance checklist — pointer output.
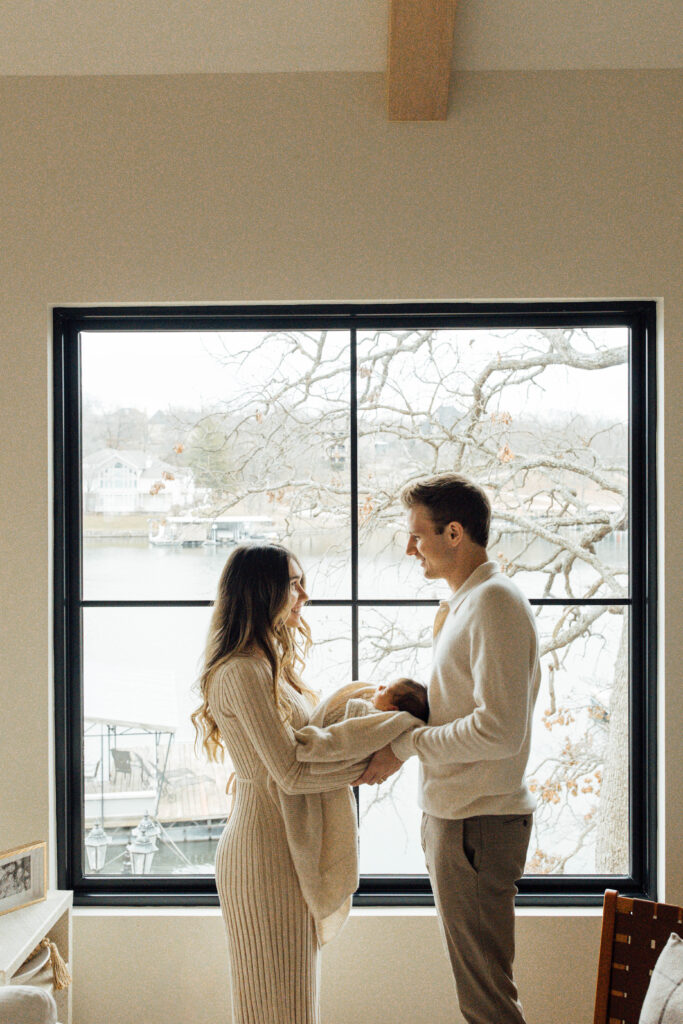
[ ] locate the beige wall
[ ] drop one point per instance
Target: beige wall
(295, 188)
(386, 968)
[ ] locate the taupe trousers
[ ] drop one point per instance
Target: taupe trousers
(474, 864)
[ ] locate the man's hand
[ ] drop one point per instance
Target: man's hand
(381, 765)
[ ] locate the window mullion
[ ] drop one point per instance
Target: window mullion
(353, 417)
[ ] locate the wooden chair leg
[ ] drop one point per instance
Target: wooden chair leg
(602, 990)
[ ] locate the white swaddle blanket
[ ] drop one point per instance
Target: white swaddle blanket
(340, 729)
(321, 828)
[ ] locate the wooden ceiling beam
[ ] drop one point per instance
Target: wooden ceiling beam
(420, 58)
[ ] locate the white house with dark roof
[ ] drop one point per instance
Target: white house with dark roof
(118, 481)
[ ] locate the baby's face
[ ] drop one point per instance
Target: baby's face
(384, 698)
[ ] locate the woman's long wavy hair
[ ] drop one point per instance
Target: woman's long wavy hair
(248, 614)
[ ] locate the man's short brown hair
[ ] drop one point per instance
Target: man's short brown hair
(451, 498)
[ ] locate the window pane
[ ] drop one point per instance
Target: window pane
(578, 768)
(393, 642)
(328, 664)
(193, 441)
(538, 417)
(138, 746)
(579, 763)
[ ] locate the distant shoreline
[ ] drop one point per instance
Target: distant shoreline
(113, 535)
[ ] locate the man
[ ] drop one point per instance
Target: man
(477, 809)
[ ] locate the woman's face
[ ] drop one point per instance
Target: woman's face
(297, 595)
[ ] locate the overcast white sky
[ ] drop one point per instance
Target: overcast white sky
(152, 371)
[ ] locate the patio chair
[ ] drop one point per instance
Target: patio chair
(126, 762)
(147, 772)
(122, 764)
(181, 778)
(634, 932)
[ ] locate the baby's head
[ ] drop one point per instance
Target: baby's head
(403, 695)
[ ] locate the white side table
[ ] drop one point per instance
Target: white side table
(22, 930)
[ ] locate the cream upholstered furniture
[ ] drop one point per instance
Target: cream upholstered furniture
(22, 930)
(664, 1000)
(634, 933)
(27, 1004)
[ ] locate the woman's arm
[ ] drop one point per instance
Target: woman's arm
(353, 739)
(244, 688)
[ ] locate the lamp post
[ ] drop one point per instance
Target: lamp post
(96, 843)
(143, 846)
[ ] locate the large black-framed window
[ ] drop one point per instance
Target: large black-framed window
(181, 431)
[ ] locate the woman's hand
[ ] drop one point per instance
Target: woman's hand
(381, 765)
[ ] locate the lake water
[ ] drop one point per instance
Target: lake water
(134, 569)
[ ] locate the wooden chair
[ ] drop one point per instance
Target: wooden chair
(634, 932)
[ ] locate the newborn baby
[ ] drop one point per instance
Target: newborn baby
(358, 699)
(403, 694)
(350, 724)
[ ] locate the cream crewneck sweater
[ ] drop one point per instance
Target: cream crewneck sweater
(482, 690)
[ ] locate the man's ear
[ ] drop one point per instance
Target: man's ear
(455, 532)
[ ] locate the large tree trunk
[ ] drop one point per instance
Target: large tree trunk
(612, 846)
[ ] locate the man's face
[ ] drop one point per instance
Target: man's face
(434, 551)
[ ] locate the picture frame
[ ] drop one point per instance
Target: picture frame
(23, 876)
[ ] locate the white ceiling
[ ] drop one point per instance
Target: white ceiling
(86, 37)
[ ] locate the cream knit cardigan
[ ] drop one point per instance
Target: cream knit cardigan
(321, 828)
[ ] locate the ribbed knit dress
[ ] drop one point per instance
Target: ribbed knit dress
(274, 953)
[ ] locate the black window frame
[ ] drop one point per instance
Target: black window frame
(548, 890)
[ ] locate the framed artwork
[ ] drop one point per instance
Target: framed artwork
(23, 876)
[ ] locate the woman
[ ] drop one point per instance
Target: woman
(252, 700)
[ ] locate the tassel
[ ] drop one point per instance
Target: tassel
(60, 972)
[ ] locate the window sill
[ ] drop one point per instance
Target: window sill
(360, 912)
